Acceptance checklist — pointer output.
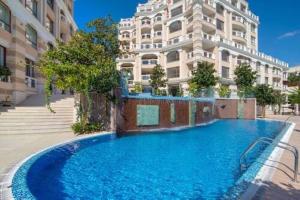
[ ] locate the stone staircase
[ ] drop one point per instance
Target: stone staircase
(33, 117)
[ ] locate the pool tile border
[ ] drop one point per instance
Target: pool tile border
(6, 182)
(266, 173)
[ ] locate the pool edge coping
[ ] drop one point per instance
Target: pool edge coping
(266, 173)
(7, 181)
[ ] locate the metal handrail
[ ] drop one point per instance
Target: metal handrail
(267, 140)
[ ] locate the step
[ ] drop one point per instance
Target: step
(35, 123)
(37, 114)
(34, 120)
(66, 130)
(38, 127)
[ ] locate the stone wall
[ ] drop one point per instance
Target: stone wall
(235, 109)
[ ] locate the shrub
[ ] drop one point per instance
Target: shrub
(224, 91)
(82, 128)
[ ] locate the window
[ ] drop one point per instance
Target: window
(31, 36)
(50, 4)
(266, 80)
(173, 56)
(258, 79)
(220, 25)
(176, 11)
(2, 56)
(175, 26)
(253, 28)
(71, 30)
(5, 17)
(31, 5)
(225, 72)
(29, 68)
(220, 9)
(253, 40)
(49, 25)
(173, 72)
(225, 56)
(267, 69)
(30, 73)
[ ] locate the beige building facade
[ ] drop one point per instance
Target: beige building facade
(27, 29)
(177, 34)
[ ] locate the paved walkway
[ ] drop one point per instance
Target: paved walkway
(282, 186)
(14, 148)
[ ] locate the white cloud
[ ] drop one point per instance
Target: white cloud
(289, 34)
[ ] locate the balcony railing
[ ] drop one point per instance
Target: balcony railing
(180, 39)
(238, 19)
(209, 19)
(210, 3)
(146, 36)
(158, 34)
(149, 62)
(208, 37)
(151, 46)
(251, 51)
(239, 34)
(208, 54)
(146, 77)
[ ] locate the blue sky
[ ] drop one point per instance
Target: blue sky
(279, 33)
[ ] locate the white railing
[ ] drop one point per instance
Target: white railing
(208, 36)
(158, 34)
(146, 36)
(208, 54)
(209, 19)
(210, 3)
(158, 19)
(150, 46)
(149, 61)
(146, 22)
(190, 55)
(180, 39)
(238, 19)
(146, 77)
(126, 57)
(251, 51)
(239, 34)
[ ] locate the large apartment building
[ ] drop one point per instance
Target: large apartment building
(177, 34)
(27, 29)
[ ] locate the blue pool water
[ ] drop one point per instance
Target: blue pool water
(197, 163)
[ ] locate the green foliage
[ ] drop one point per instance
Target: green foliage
(86, 63)
(4, 71)
(294, 79)
(279, 100)
(224, 91)
(157, 79)
(203, 78)
(294, 97)
(159, 92)
(85, 128)
(244, 76)
(137, 88)
(264, 96)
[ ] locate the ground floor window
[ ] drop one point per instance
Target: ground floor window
(225, 72)
(30, 73)
(173, 72)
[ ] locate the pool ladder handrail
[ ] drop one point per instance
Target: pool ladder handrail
(279, 144)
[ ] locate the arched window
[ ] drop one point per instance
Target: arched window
(173, 56)
(175, 26)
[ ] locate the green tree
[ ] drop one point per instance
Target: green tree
(157, 79)
(279, 100)
(264, 96)
(294, 79)
(245, 78)
(224, 91)
(202, 78)
(86, 63)
(137, 88)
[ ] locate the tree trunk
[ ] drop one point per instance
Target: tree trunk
(264, 111)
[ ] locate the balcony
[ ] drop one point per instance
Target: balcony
(209, 23)
(239, 36)
(158, 20)
(181, 39)
(208, 56)
(146, 37)
(190, 57)
(146, 24)
(239, 22)
(149, 63)
(154, 46)
(158, 35)
(126, 58)
(209, 6)
(146, 77)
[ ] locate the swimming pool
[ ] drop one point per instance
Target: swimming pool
(196, 163)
